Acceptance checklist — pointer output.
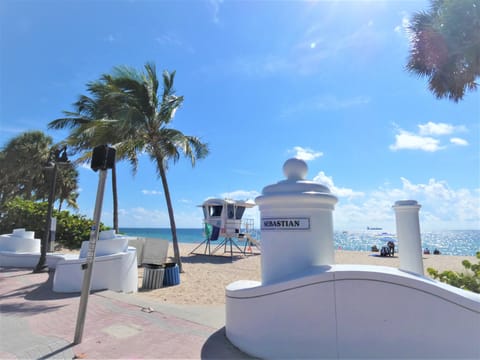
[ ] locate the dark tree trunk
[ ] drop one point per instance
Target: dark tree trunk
(173, 228)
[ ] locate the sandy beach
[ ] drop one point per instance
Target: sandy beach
(205, 277)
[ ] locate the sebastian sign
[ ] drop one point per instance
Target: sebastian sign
(285, 224)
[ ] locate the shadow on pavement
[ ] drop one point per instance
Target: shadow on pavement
(195, 258)
(44, 291)
(218, 346)
(26, 309)
(59, 351)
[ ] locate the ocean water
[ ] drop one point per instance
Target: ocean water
(457, 242)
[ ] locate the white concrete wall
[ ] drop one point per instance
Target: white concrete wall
(28, 260)
(105, 247)
(19, 244)
(353, 311)
(117, 272)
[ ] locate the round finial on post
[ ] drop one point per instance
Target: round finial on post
(296, 224)
(295, 169)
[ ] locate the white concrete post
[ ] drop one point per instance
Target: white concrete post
(296, 224)
(408, 233)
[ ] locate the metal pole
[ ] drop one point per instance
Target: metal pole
(88, 266)
(51, 200)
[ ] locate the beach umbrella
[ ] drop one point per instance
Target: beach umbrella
(388, 238)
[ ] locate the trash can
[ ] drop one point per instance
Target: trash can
(172, 275)
(152, 276)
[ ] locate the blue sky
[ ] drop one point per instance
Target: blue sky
(263, 81)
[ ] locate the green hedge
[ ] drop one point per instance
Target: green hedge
(470, 280)
(72, 229)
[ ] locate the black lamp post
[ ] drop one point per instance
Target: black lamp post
(57, 157)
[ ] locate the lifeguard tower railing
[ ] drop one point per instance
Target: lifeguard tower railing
(225, 227)
(243, 241)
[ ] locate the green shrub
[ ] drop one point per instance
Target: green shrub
(72, 229)
(467, 281)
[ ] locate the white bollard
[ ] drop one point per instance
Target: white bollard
(408, 234)
(296, 224)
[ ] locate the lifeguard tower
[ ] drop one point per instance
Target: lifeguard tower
(223, 219)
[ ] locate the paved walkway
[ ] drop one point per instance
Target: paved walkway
(36, 323)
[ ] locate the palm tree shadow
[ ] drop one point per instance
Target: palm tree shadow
(24, 301)
(45, 291)
(35, 291)
(27, 308)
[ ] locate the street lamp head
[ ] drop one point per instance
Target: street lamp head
(63, 156)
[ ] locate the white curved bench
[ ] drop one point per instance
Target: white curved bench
(114, 268)
(117, 272)
(20, 241)
(350, 311)
(20, 249)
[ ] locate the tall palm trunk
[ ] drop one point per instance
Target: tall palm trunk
(173, 228)
(115, 197)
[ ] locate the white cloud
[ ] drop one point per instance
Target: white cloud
(440, 204)
(305, 153)
(240, 195)
(454, 209)
(434, 189)
(151, 192)
(428, 136)
(459, 141)
(403, 27)
(338, 191)
(442, 207)
(215, 4)
(407, 140)
(140, 216)
(432, 128)
(155, 218)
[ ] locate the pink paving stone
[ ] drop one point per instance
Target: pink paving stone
(113, 328)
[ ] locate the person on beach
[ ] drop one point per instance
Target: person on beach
(391, 246)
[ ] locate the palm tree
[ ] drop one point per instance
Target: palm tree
(143, 122)
(22, 170)
(22, 165)
(445, 47)
(85, 123)
(130, 111)
(66, 187)
(25, 163)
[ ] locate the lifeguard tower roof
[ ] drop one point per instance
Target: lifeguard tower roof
(221, 202)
